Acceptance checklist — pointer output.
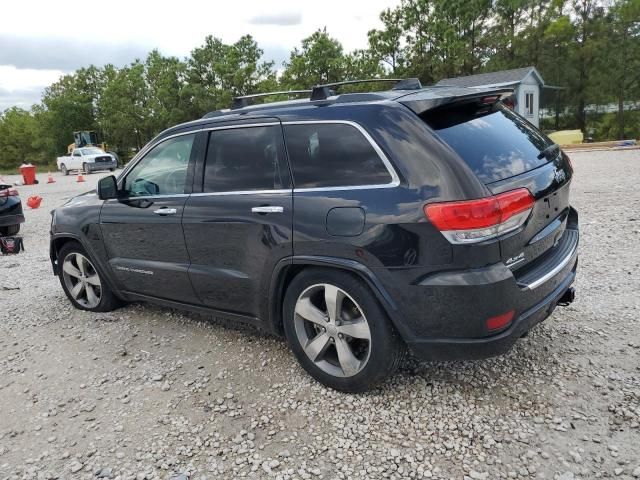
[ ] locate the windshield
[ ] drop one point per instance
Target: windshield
(495, 142)
(91, 151)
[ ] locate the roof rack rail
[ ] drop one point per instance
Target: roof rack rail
(243, 101)
(322, 92)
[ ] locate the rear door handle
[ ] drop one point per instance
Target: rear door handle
(165, 211)
(267, 209)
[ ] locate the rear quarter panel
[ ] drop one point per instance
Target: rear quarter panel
(396, 233)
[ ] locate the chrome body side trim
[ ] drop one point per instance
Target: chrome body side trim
(395, 179)
(148, 197)
(141, 154)
(268, 209)
(242, 192)
(242, 125)
(554, 271)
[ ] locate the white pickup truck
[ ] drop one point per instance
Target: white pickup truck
(87, 159)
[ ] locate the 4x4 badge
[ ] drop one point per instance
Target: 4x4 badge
(510, 262)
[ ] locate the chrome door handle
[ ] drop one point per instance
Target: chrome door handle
(267, 209)
(165, 211)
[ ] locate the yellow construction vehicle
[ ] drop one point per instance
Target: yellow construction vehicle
(88, 138)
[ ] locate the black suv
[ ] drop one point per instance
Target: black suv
(356, 225)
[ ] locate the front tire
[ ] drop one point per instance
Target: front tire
(338, 331)
(63, 169)
(10, 230)
(115, 157)
(86, 169)
(81, 281)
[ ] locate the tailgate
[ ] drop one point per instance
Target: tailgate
(506, 152)
(548, 221)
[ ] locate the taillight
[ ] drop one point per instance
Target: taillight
(9, 192)
(472, 221)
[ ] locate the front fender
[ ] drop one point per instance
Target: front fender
(56, 242)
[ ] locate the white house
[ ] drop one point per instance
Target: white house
(526, 82)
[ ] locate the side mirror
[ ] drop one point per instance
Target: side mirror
(107, 188)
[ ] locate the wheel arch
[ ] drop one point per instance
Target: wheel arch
(56, 244)
(58, 241)
(287, 269)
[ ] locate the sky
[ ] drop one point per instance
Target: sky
(42, 40)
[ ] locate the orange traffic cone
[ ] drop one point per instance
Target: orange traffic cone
(50, 178)
(80, 177)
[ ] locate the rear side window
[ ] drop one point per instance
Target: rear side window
(333, 155)
(496, 143)
(240, 159)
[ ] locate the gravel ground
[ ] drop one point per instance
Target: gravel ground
(146, 392)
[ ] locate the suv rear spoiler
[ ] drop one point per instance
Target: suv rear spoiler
(432, 98)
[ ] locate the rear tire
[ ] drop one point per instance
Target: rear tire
(10, 230)
(82, 282)
(351, 347)
(63, 169)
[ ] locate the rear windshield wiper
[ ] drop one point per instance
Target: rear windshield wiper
(548, 152)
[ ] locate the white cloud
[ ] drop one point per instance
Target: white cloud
(12, 78)
(62, 53)
(178, 27)
(22, 97)
(283, 19)
(47, 38)
(23, 87)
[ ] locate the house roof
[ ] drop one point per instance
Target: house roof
(501, 78)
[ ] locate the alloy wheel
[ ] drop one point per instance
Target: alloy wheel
(82, 280)
(332, 330)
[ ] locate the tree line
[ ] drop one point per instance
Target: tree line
(588, 48)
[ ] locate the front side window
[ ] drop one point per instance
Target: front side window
(245, 159)
(333, 155)
(163, 170)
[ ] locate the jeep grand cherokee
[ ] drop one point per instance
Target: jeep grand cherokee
(356, 225)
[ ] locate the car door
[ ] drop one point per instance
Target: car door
(142, 228)
(76, 159)
(239, 225)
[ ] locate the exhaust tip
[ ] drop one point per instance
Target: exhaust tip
(568, 297)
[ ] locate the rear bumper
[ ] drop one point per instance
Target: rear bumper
(8, 220)
(476, 348)
(443, 315)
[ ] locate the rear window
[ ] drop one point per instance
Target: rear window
(495, 143)
(333, 155)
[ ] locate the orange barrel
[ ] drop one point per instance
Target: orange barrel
(28, 174)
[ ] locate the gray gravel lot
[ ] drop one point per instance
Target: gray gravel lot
(146, 392)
